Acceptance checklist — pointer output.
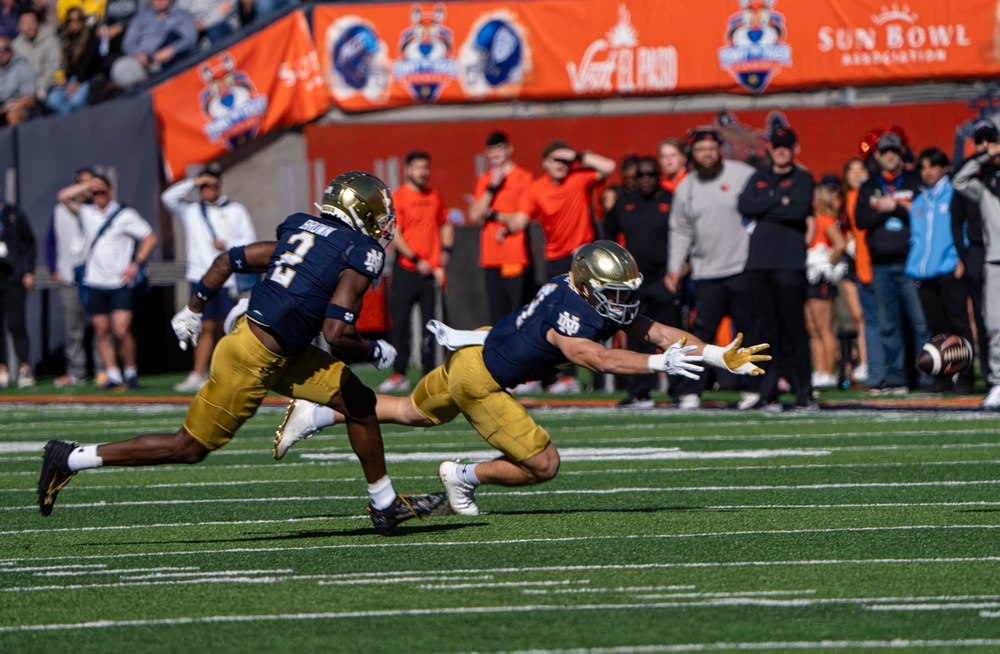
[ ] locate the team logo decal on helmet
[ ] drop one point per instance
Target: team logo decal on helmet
(361, 201)
(607, 276)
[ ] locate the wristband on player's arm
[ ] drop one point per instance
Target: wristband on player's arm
(238, 259)
(374, 351)
(203, 292)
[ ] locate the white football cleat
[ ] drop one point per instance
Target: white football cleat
(990, 403)
(297, 426)
(461, 496)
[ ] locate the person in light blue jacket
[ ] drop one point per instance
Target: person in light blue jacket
(933, 261)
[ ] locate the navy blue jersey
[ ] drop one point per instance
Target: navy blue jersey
(305, 268)
(516, 349)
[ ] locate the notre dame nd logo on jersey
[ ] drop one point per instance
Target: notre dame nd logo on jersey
(568, 323)
(373, 262)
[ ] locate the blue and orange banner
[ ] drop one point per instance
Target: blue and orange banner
(271, 79)
(376, 56)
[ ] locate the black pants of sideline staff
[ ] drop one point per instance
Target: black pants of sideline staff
(409, 287)
(656, 301)
(714, 299)
(945, 303)
(779, 300)
(12, 299)
(975, 283)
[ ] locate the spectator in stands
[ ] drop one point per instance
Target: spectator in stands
(39, 44)
(883, 209)
(157, 37)
(708, 237)
(65, 250)
(503, 257)
(214, 19)
(967, 234)
(673, 162)
(779, 199)
(628, 173)
(250, 10)
(17, 280)
(111, 263)
(10, 11)
(80, 63)
(823, 271)
(560, 200)
(856, 284)
(933, 261)
(212, 224)
(17, 86)
(424, 240)
(979, 177)
(642, 218)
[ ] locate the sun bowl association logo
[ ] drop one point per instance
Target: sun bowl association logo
(359, 60)
(757, 50)
(495, 56)
(427, 62)
(231, 102)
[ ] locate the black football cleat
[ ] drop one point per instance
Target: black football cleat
(403, 508)
(55, 473)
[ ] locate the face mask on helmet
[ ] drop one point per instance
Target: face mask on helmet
(607, 276)
(362, 202)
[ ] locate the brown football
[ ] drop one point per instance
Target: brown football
(945, 354)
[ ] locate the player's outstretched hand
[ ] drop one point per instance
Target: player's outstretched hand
(187, 327)
(678, 360)
(734, 358)
(383, 355)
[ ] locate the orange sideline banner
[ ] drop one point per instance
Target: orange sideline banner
(384, 55)
(270, 79)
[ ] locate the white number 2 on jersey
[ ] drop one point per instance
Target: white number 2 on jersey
(284, 272)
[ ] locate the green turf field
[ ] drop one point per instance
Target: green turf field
(664, 532)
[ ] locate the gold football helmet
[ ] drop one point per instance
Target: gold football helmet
(607, 276)
(361, 201)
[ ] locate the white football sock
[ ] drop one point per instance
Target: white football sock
(84, 458)
(467, 473)
(323, 416)
(114, 375)
(382, 493)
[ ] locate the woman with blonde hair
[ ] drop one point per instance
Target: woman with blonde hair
(823, 271)
(81, 61)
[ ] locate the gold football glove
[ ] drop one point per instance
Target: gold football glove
(734, 358)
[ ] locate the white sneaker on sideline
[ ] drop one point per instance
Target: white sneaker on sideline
(528, 387)
(25, 380)
(461, 496)
(992, 401)
(822, 379)
(748, 401)
(297, 426)
(860, 374)
(689, 402)
(565, 386)
(191, 384)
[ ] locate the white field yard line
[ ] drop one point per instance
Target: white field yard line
(703, 507)
(563, 473)
(529, 541)
(506, 493)
(436, 611)
(800, 645)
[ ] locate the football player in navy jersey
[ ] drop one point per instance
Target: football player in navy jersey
(566, 322)
(316, 274)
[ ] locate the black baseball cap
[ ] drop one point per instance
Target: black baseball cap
(890, 141)
(213, 169)
(984, 131)
(783, 137)
(704, 134)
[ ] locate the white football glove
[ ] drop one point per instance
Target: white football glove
(187, 327)
(736, 359)
(384, 355)
(677, 360)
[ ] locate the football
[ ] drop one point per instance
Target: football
(945, 354)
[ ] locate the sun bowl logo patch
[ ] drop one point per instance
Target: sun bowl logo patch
(231, 102)
(495, 55)
(427, 62)
(756, 49)
(359, 60)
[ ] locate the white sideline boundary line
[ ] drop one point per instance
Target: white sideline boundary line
(899, 643)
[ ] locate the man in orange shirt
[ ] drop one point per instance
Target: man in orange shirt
(560, 200)
(424, 239)
(503, 257)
